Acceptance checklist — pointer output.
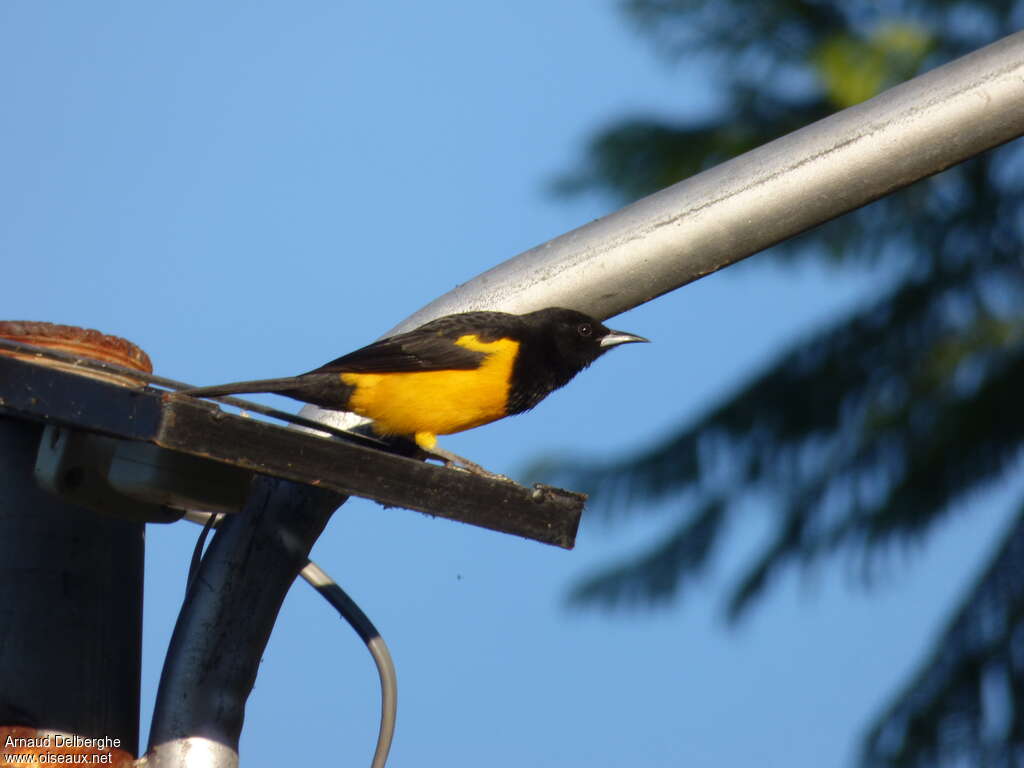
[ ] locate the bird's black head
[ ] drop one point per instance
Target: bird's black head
(563, 342)
(577, 338)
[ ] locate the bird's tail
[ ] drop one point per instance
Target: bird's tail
(324, 389)
(244, 387)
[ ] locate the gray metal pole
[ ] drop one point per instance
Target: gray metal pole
(767, 195)
(756, 200)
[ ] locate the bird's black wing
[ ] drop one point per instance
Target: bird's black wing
(406, 353)
(430, 347)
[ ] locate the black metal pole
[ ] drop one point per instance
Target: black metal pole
(226, 622)
(70, 606)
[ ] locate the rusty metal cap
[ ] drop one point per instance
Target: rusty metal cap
(84, 342)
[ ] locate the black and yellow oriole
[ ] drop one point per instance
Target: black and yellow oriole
(451, 374)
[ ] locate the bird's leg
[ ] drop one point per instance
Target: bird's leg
(428, 444)
(454, 460)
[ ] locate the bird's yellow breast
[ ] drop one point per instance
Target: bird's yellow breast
(431, 403)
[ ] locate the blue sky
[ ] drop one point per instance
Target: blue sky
(249, 190)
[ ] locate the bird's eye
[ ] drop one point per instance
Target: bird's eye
(584, 329)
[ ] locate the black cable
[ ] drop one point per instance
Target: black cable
(197, 552)
(329, 589)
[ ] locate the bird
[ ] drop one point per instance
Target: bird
(451, 374)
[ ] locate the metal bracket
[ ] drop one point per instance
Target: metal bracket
(77, 467)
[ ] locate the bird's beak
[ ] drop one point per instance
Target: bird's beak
(614, 338)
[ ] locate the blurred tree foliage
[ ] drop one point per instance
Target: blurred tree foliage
(870, 432)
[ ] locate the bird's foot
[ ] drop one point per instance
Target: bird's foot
(459, 462)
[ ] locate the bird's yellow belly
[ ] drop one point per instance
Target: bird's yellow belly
(437, 402)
